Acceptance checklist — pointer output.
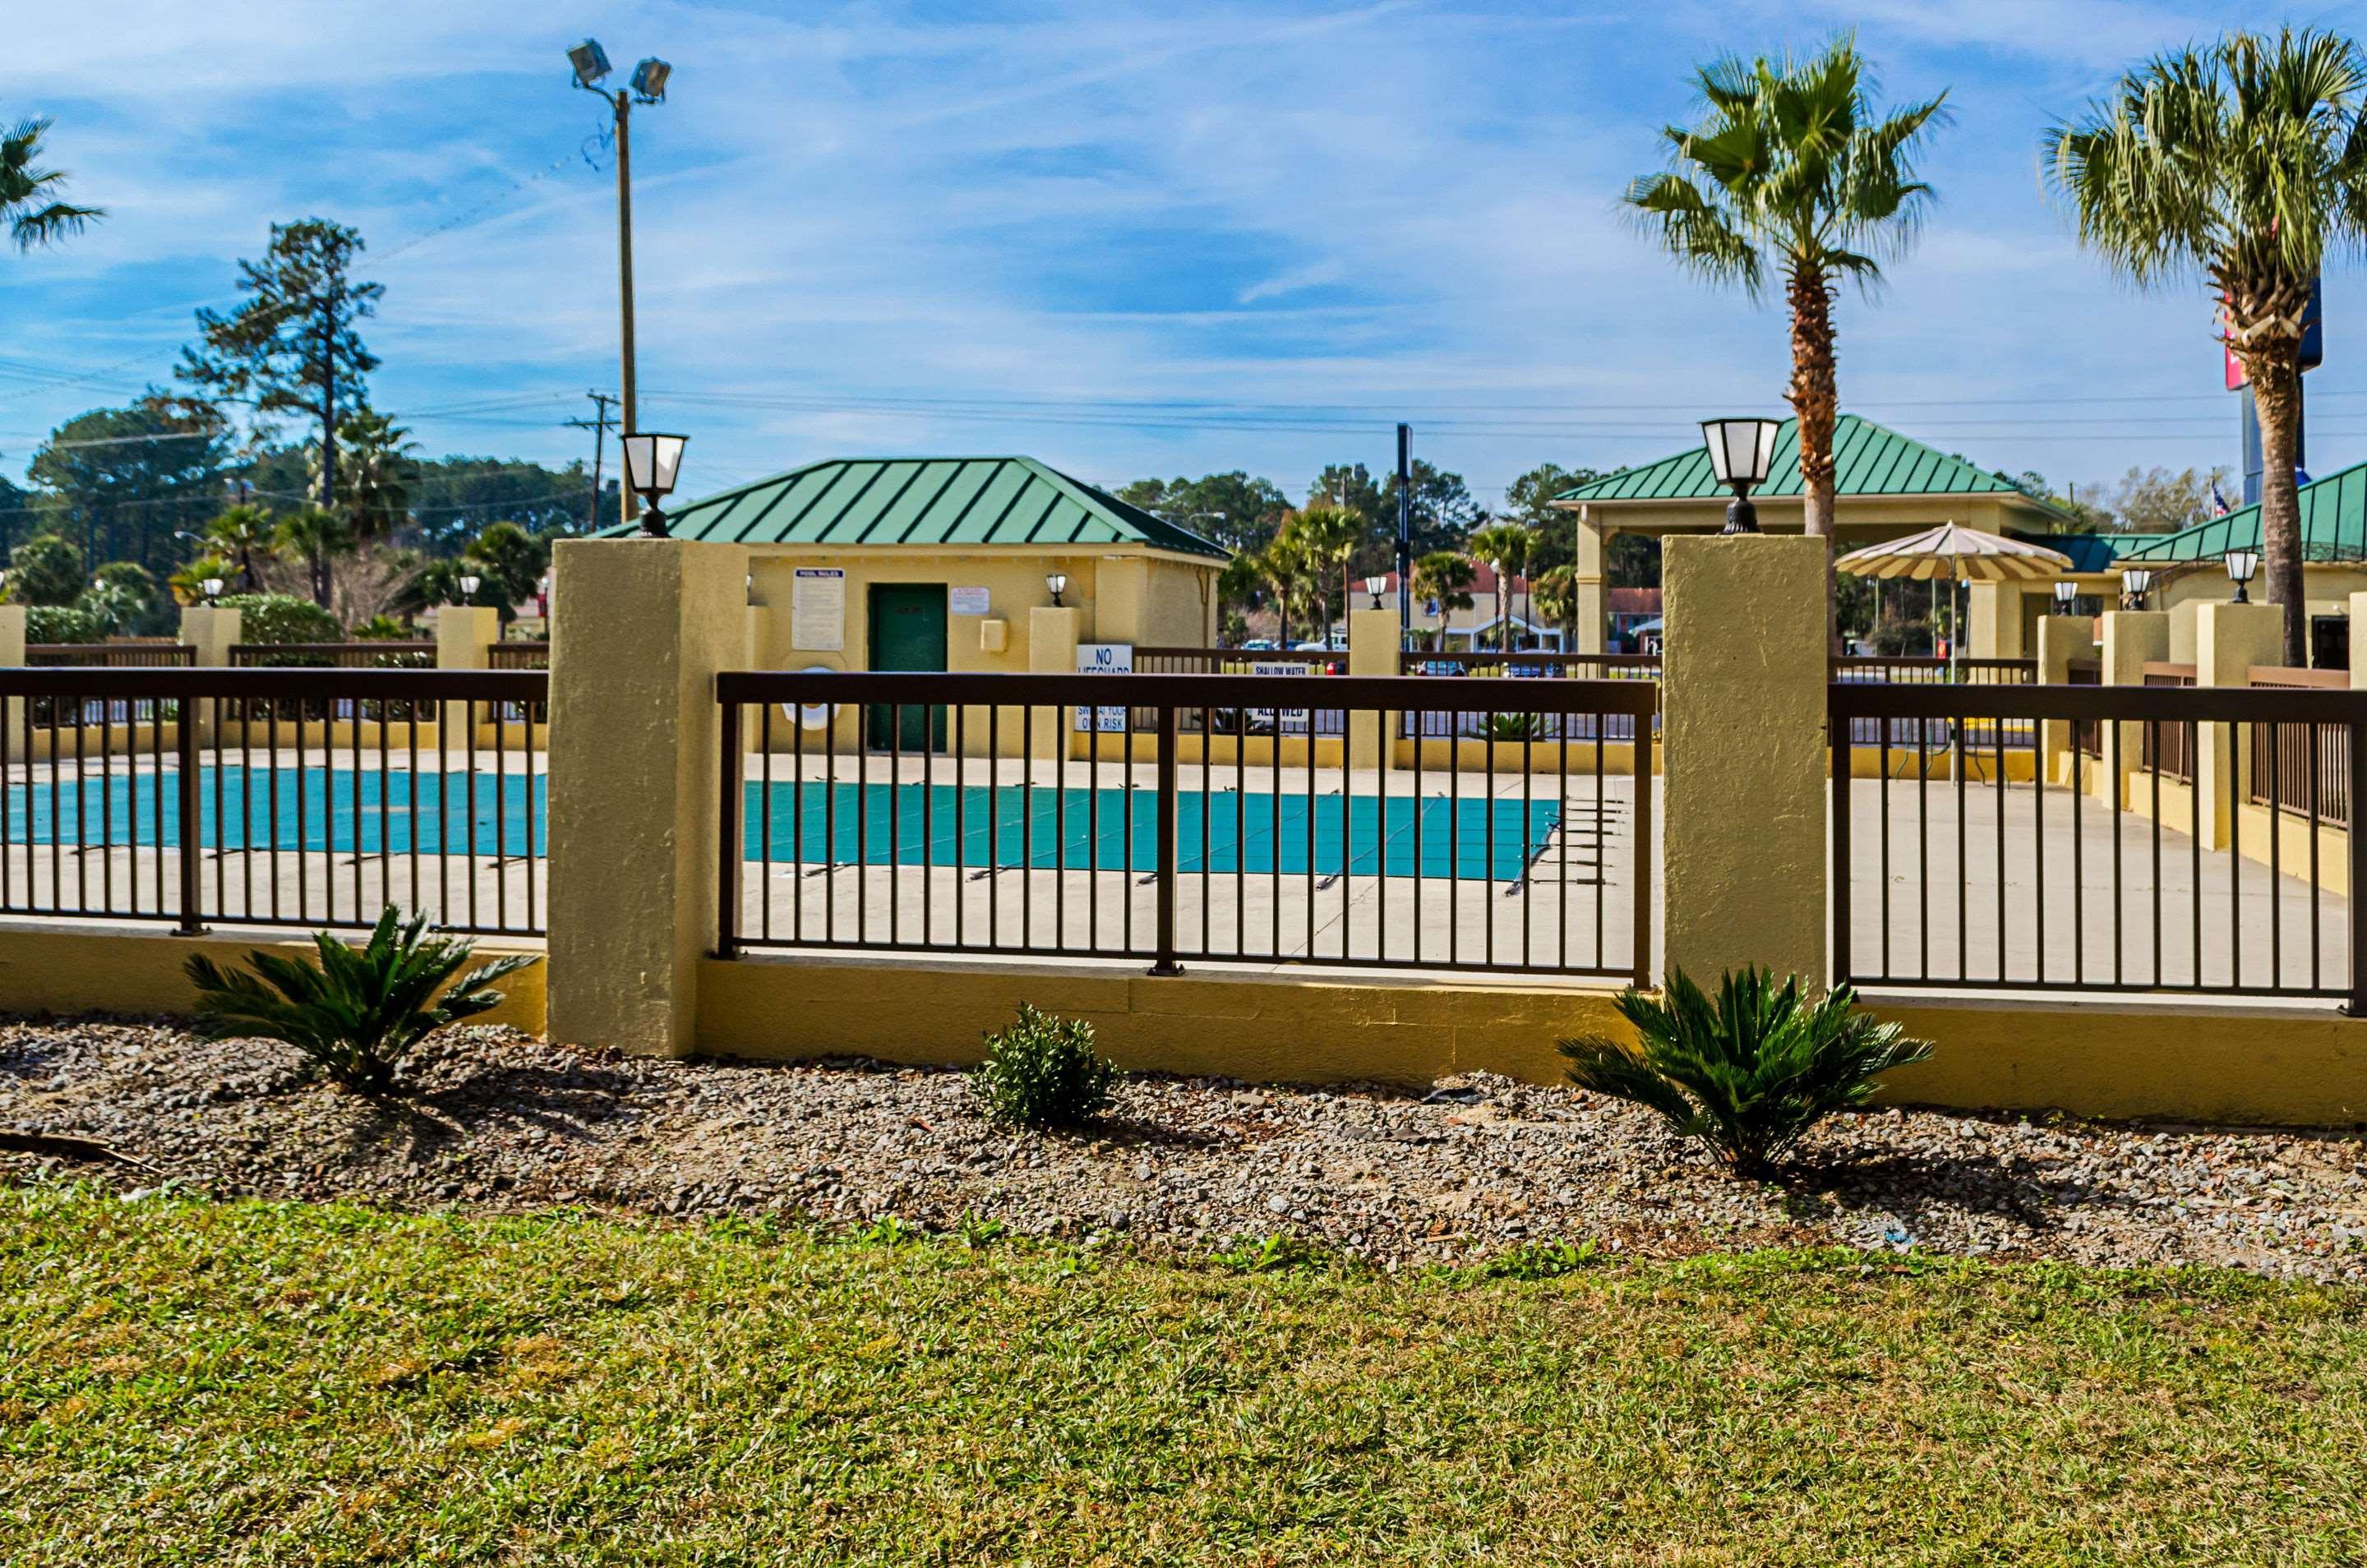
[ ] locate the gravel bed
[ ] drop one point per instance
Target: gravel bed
(497, 1120)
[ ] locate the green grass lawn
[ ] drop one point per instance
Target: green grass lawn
(194, 1382)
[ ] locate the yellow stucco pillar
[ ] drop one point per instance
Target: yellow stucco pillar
(1052, 638)
(1590, 616)
(1744, 755)
(463, 633)
(635, 743)
(2228, 640)
(2061, 639)
(12, 654)
(1996, 621)
(2359, 642)
(210, 631)
(1373, 644)
(2132, 637)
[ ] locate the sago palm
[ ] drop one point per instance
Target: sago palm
(1505, 548)
(2241, 164)
(1794, 172)
(30, 194)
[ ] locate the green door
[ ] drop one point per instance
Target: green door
(908, 632)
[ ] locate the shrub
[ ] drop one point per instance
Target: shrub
(359, 1012)
(1747, 1074)
(63, 623)
(282, 617)
(1042, 1072)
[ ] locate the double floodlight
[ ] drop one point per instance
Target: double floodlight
(589, 63)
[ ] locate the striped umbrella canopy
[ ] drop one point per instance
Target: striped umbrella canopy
(1955, 553)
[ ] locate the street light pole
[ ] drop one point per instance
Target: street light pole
(648, 86)
(625, 404)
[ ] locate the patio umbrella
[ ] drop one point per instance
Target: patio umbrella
(1956, 555)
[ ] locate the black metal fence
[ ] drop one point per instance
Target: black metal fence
(1516, 719)
(1912, 742)
(2122, 879)
(276, 797)
(994, 817)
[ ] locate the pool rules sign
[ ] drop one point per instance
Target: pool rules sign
(1103, 658)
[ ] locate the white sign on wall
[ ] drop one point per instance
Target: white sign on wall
(818, 610)
(1287, 716)
(960, 601)
(1103, 658)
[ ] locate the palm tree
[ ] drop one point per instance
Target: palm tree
(318, 537)
(1284, 565)
(1504, 547)
(2241, 164)
(1556, 592)
(1327, 537)
(1445, 576)
(375, 469)
(242, 534)
(28, 193)
(1792, 171)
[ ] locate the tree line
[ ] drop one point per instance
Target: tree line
(131, 510)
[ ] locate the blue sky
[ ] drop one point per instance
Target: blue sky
(1127, 239)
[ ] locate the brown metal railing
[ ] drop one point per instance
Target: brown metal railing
(2086, 736)
(388, 655)
(1982, 879)
(1916, 738)
(1280, 663)
(2168, 749)
(111, 655)
(2292, 766)
(271, 797)
(1528, 665)
(984, 814)
(518, 656)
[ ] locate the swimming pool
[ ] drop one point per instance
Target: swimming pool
(1221, 833)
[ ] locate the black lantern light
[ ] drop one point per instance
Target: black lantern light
(1740, 452)
(652, 459)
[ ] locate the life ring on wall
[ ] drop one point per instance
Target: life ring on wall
(812, 716)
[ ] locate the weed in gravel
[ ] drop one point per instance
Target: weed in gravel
(1042, 1072)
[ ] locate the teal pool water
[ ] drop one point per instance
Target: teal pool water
(1220, 833)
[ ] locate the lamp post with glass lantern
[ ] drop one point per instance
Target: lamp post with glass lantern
(1056, 583)
(1740, 452)
(652, 461)
(647, 86)
(2066, 594)
(2135, 584)
(2241, 565)
(1372, 585)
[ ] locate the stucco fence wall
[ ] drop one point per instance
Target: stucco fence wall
(635, 835)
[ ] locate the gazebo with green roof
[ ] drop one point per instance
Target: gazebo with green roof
(942, 563)
(1885, 485)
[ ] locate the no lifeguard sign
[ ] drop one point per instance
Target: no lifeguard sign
(1103, 658)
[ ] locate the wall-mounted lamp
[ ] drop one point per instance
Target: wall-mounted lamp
(2066, 592)
(1058, 582)
(2135, 584)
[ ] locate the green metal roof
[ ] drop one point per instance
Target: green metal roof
(916, 501)
(1867, 461)
(2333, 526)
(2088, 552)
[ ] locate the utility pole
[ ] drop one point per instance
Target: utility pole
(648, 86)
(599, 425)
(1405, 535)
